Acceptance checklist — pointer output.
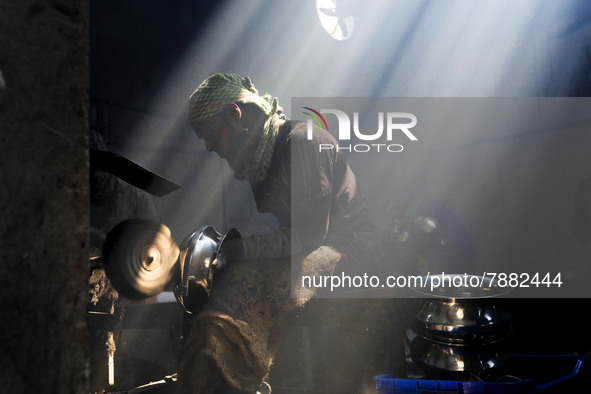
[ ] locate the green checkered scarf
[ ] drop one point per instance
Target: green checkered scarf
(215, 92)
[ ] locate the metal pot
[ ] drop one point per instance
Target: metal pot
(462, 329)
(199, 258)
(436, 359)
(463, 321)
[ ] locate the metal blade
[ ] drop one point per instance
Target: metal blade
(131, 173)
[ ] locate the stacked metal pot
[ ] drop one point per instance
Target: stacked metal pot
(461, 332)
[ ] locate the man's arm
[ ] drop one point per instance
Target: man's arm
(308, 231)
(310, 186)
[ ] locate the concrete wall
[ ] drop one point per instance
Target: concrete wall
(44, 196)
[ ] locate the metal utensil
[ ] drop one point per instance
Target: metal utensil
(436, 358)
(199, 258)
(463, 321)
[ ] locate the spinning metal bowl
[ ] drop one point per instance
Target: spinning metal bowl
(201, 255)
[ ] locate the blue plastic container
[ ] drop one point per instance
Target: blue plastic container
(538, 373)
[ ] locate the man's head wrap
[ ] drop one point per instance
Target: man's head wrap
(221, 89)
(217, 91)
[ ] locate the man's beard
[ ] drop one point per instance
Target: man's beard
(240, 162)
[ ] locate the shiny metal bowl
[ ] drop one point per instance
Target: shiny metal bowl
(463, 322)
(434, 358)
(201, 255)
(198, 251)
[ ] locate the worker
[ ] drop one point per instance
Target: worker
(324, 227)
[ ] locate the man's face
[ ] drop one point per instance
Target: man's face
(226, 139)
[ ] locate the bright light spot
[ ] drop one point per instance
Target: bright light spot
(335, 19)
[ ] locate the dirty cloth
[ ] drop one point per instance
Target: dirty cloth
(238, 332)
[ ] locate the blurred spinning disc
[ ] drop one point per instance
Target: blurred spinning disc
(139, 256)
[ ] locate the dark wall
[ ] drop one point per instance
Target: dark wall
(44, 196)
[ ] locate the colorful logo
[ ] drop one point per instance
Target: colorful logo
(315, 116)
